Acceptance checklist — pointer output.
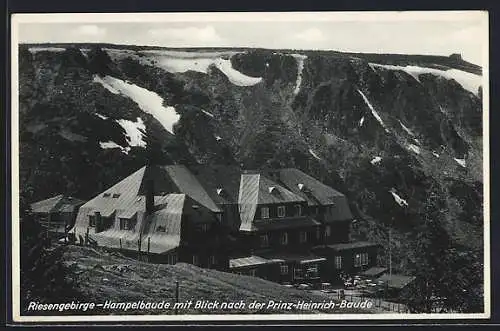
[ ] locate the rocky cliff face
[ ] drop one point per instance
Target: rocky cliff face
(388, 131)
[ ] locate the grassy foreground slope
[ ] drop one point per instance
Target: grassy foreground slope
(101, 275)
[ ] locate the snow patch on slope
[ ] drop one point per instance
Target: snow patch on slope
(111, 144)
(207, 113)
(400, 201)
(414, 148)
(469, 81)
(376, 160)
(313, 153)
(361, 121)
(374, 112)
(202, 64)
(300, 68)
(134, 131)
(102, 117)
(148, 101)
(34, 50)
(461, 162)
(234, 76)
(406, 129)
(105, 84)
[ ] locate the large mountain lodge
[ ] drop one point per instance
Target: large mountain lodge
(282, 225)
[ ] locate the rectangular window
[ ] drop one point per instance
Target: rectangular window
(116, 195)
(106, 195)
(338, 262)
(252, 272)
(160, 228)
(212, 260)
(205, 227)
(303, 236)
(281, 211)
(328, 231)
(284, 269)
(284, 238)
(219, 218)
(364, 259)
(318, 233)
(172, 259)
(92, 221)
(126, 224)
(298, 210)
(264, 240)
(360, 259)
(195, 259)
(264, 212)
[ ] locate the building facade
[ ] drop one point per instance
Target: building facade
(282, 225)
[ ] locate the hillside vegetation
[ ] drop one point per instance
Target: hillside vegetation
(405, 147)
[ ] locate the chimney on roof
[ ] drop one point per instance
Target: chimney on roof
(150, 196)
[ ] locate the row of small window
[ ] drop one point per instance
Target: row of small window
(303, 236)
(125, 223)
(212, 260)
(360, 259)
(281, 211)
(107, 195)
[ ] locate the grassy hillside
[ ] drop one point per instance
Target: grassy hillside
(99, 275)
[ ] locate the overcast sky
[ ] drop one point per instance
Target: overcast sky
(438, 33)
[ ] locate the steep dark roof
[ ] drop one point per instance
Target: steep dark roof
(189, 184)
(316, 193)
(177, 179)
(254, 190)
(215, 178)
(59, 203)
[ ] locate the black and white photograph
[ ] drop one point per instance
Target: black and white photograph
(250, 166)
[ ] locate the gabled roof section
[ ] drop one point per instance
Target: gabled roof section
(221, 182)
(256, 189)
(188, 184)
(311, 189)
(59, 203)
(123, 194)
(164, 226)
(271, 192)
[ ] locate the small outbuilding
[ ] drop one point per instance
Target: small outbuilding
(57, 214)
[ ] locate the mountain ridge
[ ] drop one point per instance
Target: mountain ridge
(387, 138)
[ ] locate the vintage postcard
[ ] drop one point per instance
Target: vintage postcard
(250, 166)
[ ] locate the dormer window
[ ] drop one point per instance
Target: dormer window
(116, 195)
(106, 195)
(220, 191)
(272, 189)
(127, 223)
(160, 228)
(300, 186)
